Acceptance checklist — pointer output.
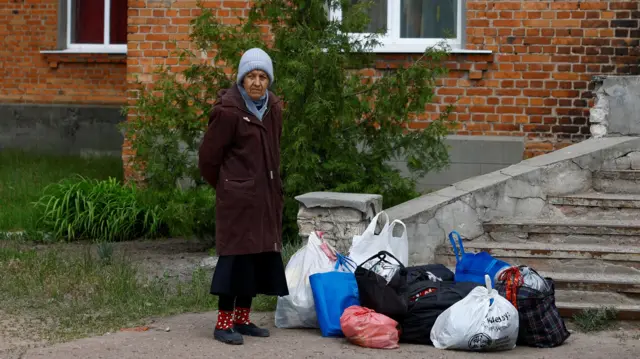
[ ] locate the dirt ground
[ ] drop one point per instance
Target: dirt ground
(173, 258)
(190, 335)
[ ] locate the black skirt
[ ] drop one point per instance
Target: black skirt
(250, 275)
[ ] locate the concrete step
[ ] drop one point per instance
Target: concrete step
(549, 257)
(624, 284)
(555, 238)
(624, 311)
(598, 206)
(627, 181)
(597, 298)
(598, 199)
(570, 302)
(564, 226)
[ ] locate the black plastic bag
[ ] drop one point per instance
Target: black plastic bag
(427, 300)
(387, 293)
(428, 272)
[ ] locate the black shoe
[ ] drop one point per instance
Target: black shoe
(228, 336)
(251, 330)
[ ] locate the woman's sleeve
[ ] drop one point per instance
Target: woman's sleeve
(217, 140)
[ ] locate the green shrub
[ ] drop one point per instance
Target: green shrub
(186, 212)
(342, 128)
(81, 208)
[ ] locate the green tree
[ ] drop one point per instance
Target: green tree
(341, 127)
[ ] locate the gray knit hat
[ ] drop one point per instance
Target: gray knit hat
(255, 59)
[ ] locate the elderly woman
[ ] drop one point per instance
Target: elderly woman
(240, 158)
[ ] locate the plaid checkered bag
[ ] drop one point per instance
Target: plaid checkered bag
(540, 323)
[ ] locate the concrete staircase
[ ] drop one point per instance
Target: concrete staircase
(589, 243)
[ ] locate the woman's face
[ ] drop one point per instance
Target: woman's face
(256, 83)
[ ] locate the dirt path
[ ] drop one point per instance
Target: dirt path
(16, 335)
(190, 337)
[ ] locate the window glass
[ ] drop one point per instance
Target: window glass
(378, 15)
(87, 21)
(118, 22)
(428, 19)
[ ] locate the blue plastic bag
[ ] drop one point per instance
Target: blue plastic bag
(333, 292)
(472, 267)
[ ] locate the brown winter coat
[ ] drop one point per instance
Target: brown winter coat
(240, 157)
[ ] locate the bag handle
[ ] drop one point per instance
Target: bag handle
(487, 282)
(382, 256)
(346, 262)
(492, 293)
(459, 253)
(393, 225)
(371, 228)
(489, 266)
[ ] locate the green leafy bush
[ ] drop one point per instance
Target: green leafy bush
(186, 212)
(342, 127)
(81, 208)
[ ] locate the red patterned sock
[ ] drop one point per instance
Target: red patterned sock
(225, 320)
(242, 316)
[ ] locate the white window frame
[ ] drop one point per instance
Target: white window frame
(391, 42)
(105, 47)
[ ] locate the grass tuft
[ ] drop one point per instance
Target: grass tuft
(593, 320)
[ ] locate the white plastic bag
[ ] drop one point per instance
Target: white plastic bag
(399, 245)
(369, 244)
(481, 321)
(297, 310)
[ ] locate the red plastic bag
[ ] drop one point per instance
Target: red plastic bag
(366, 328)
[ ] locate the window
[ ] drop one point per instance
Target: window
(413, 25)
(92, 26)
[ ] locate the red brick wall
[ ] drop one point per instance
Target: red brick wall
(153, 26)
(29, 26)
(546, 53)
(537, 82)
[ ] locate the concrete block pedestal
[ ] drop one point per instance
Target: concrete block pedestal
(339, 215)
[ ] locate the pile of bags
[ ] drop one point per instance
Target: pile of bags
(374, 300)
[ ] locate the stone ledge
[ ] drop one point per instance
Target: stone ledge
(54, 59)
(341, 216)
(359, 201)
